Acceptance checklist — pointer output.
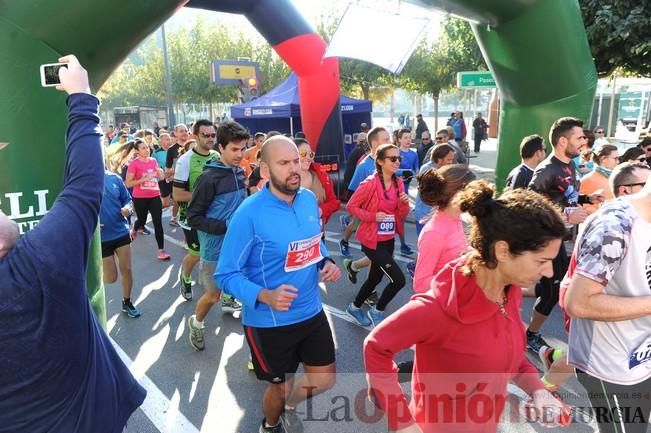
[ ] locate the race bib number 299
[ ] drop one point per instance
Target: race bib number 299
(303, 253)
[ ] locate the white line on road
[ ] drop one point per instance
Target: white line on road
(157, 407)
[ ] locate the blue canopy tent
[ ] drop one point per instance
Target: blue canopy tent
(280, 110)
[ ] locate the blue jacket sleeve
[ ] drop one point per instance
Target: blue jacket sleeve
(62, 238)
(240, 237)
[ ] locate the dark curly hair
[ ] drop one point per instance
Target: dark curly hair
(524, 219)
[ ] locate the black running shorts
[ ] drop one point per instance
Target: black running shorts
(192, 241)
(109, 247)
(276, 352)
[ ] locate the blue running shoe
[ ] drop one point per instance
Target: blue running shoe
(344, 220)
(343, 247)
(358, 314)
(375, 316)
(411, 268)
(127, 307)
(406, 250)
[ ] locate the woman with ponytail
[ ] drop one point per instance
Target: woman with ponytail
(442, 239)
(381, 204)
(466, 328)
(605, 158)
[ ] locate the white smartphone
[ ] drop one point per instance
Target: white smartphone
(50, 74)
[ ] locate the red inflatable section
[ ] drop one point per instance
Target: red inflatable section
(318, 81)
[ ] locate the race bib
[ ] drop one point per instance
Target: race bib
(641, 355)
(304, 253)
(152, 182)
(387, 227)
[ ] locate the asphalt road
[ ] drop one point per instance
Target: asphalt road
(212, 391)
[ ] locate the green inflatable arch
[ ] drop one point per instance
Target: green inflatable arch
(536, 49)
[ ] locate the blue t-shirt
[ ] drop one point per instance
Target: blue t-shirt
(112, 224)
(160, 156)
(60, 372)
(283, 247)
(409, 162)
(363, 170)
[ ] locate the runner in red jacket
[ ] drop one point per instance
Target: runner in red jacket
(469, 338)
(381, 204)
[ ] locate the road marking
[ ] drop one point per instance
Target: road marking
(160, 410)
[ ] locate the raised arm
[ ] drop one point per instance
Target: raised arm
(61, 240)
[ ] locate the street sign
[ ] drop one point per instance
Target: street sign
(232, 72)
(475, 79)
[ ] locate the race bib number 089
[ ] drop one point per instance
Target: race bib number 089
(304, 253)
(387, 227)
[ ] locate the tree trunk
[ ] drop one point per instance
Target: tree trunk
(366, 90)
(435, 97)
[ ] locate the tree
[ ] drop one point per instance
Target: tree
(434, 65)
(619, 32)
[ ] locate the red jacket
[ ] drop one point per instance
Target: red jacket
(365, 203)
(331, 203)
(466, 352)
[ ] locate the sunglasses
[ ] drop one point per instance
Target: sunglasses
(208, 135)
(306, 154)
(635, 184)
(426, 139)
(643, 159)
(393, 158)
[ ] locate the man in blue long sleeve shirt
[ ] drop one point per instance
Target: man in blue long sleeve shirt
(275, 253)
(59, 372)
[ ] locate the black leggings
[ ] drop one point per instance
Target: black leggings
(153, 206)
(382, 263)
(614, 405)
(547, 288)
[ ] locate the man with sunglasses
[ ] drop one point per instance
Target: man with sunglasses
(425, 145)
(645, 145)
(629, 178)
(188, 169)
(599, 136)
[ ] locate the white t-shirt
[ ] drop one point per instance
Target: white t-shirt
(615, 250)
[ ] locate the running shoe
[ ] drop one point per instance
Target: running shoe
(352, 275)
(375, 316)
(291, 421)
(344, 220)
(406, 250)
(196, 335)
(144, 231)
(162, 255)
(343, 247)
(546, 355)
(411, 268)
(372, 299)
(230, 304)
(186, 288)
(277, 429)
(249, 365)
(535, 341)
(127, 307)
(174, 222)
(358, 314)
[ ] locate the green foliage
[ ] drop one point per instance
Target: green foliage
(140, 80)
(434, 65)
(619, 32)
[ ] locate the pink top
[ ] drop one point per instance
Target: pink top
(141, 169)
(441, 241)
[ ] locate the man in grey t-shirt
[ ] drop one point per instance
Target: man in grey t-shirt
(609, 301)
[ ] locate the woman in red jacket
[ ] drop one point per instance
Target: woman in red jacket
(317, 181)
(468, 335)
(381, 204)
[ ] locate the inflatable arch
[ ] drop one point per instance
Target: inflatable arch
(536, 49)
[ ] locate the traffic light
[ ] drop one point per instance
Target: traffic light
(252, 88)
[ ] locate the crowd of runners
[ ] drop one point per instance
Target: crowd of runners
(468, 282)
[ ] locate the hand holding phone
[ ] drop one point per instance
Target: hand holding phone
(71, 76)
